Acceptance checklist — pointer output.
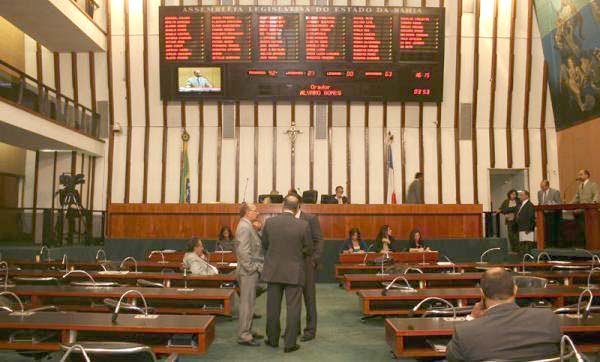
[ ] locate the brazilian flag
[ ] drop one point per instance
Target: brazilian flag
(184, 174)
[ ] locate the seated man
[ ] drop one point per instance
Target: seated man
(195, 260)
(502, 330)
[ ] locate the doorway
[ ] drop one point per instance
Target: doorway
(502, 181)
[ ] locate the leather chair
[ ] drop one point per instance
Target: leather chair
(310, 196)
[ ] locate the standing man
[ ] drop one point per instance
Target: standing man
(414, 195)
(587, 193)
(311, 264)
(550, 196)
(249, 268)
(526, 222)
(287, 242)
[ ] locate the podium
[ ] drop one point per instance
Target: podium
(591, 214)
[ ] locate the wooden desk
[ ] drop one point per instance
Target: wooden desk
(142, 265)
(216, 257)
(397, 302)
(165, 301)
(399, 257)
(344, 269)
(591, 214)
(406, 336)
(354, 282)
(205, 220)
(130, 278)
(73, 327)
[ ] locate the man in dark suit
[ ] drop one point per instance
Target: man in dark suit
(526, 222)
(501, 329)
(287, 242)
(310, 272)
(339, 195)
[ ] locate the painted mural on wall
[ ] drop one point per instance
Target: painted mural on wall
(570, 31)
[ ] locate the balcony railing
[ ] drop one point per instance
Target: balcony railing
(27, 92)
(52, 227)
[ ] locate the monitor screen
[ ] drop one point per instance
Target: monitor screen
(199, 79)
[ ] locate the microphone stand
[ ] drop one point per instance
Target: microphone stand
(367, 254)
(387, 255)
(245, 189)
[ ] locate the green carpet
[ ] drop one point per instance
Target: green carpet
(340, 334)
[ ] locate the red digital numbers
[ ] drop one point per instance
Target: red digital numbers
(422, 91)
(423, 75)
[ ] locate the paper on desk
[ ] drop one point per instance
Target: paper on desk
(233, 265)
(444, 263)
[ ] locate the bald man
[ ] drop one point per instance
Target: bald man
(249, 268)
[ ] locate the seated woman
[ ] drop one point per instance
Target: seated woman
(195, 259)
(416, 242)
(226, 242)
(384, 243)
(354, 244)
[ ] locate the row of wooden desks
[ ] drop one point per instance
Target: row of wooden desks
(354, 282)
(399, 302)
(130, 277)
(155, 331)
(214, 301)
(149, 266)
(408, 337)
(359, 268)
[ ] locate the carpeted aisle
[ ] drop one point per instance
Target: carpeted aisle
(340, 335)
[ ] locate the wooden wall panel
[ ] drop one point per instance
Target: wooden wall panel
(205, 220)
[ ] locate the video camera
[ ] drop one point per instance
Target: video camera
(70, 181)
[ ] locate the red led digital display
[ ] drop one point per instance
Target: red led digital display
(231, 37)
(419, 37)
(183, 38)
(278, 37)
(320, 90)
(372, 38)
(325, 37)
(421, 91)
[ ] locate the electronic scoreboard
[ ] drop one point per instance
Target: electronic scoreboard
(302, 52)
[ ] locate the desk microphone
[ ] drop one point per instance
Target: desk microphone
(569, 188)
(245, 189)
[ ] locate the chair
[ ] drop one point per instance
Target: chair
(275, 199)
(530, 282)
(328, 199)
(149, 284)
(107, 351)
(310, 196)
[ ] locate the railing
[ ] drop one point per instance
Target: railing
(27, 92)
(53, 227)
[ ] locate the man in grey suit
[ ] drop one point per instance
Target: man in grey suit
(501, 329)
(550, 196)
(312, 263)
(249, 267)
(414, 195)
(588, 192)
(287, 243)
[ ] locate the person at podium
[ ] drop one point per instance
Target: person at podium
(354, 244)
(416, 242)
(385, 242)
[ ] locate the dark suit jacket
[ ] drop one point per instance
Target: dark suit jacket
(286, 241)
(507, 332)
(315, 232)
(526, 217)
